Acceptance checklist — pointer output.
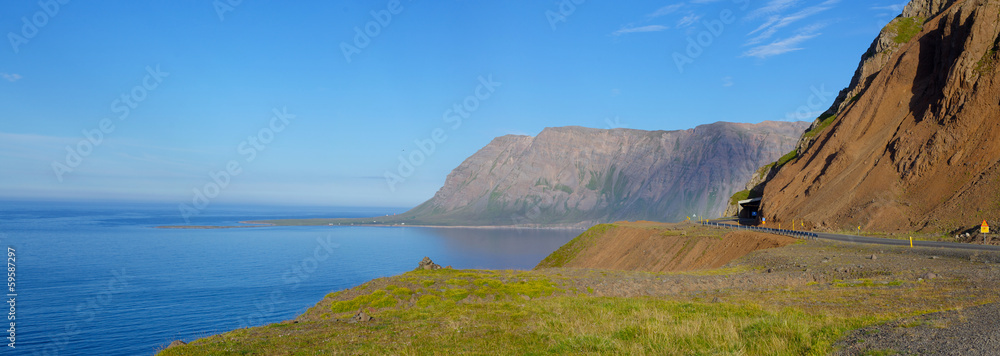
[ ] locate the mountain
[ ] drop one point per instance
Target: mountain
(581, 176)
(911, 143)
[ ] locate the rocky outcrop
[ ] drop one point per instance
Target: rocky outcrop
(176, 343)
(576, 175)
(426, 263)
(926, 8)
(913, 146)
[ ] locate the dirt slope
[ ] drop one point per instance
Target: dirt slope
(657, 247)
(916, 148)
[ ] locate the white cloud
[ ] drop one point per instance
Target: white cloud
(649, 28)
(781, 14)
(776, 23)
(666, 10)
(688, 20)
(727, 81)
(13, 77)
(779, 47)
(897, 8)
(772, 7)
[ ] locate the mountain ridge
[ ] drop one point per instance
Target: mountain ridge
(580, 176)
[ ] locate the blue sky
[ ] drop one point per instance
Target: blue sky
(180, 90)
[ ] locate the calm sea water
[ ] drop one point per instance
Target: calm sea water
(99, 279)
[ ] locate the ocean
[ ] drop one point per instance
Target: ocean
(100, 279)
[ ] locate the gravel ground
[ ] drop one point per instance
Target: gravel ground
(969, 331)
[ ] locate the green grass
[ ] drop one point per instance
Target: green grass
(378, 299)
(564, 188)
(518, 312)
(740, 195)
(905, 28)
(557, 325)
(448, 311)
(823, 124)
(788, 157)
(762, 171)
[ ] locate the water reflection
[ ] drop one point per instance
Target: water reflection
(482, 248)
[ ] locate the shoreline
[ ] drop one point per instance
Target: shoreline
(212, 226)
(261, 224)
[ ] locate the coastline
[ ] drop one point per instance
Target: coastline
(264, 224)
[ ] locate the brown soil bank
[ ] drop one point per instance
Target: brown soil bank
(658, 247)
(916, 147)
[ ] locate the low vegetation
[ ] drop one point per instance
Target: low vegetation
(905, 28)
(825, 121)
(526, 312)
(740, 195)
(988, 63)
(788, 157)
(514, 312)
(797, 300)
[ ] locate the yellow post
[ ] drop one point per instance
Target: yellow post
(911, 241)
(793, 224)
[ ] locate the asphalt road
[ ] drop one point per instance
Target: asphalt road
(895, 242)
(892, 242)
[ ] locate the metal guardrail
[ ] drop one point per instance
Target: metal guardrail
(791, 233)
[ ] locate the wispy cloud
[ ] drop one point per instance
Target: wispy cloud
(688, 20)
(727, 81)
(772, 7)
(11, 77)
(897, 8)
(649, 28)
(779, 15)
(666, 10)
(780, 47)
(890, 11)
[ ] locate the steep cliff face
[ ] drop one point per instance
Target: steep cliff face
(893, 37)
(571, 175)
(912, 145)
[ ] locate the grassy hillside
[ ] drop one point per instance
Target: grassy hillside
(489, 312)
(795, 300)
